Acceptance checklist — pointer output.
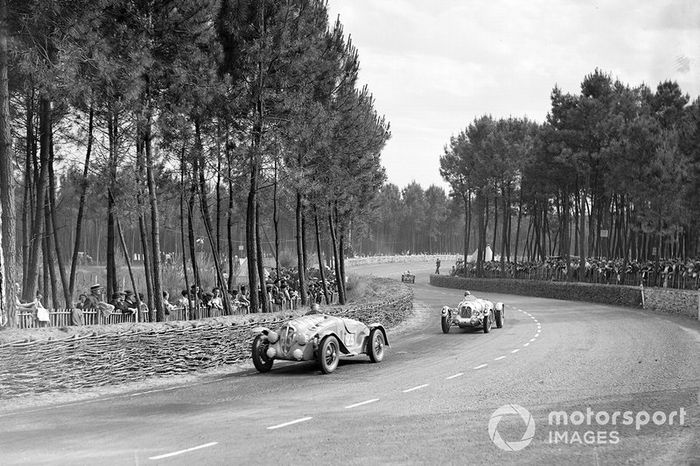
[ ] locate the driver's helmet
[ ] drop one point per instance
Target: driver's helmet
(315, 309)
(467, 293)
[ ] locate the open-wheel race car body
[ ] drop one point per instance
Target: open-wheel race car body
(473, 312)
(408, 278)
(318, 337)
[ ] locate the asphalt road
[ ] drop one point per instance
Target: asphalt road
(627, 382)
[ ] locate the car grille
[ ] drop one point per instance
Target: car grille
(466, 312)
(287, 338)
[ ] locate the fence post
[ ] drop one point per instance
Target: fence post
(641, 287)
(698, 303)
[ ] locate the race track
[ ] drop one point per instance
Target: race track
(432, 399)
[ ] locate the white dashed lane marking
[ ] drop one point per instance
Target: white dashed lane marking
(416, 388)
(175, 453)
(361, 403)
(481, 366)
(499, 358)
(454, 376)
(296, 421)
(515, 350)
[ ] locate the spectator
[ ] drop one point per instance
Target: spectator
(216, 303)
(130, 302)
(119, 303)
(42, 314)
(437, 266)
(167, 307)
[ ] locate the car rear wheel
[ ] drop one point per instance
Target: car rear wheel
(260, 360)
(487, 324)
(499, 319)
(445, 322)
(328, 354)
(376, 345)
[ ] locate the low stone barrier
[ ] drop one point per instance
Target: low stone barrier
(96, 356)
(673, 301)
(658, 299)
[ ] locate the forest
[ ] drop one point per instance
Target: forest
(142, 127)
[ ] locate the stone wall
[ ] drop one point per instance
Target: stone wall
(112, 354)
(657, 299)
(672, 301)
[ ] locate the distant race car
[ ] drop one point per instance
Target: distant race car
(473, 312)
(408, 278)
(320, 337)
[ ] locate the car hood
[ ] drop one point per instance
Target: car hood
(312, 323)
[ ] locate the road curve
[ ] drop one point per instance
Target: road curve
(463, 397)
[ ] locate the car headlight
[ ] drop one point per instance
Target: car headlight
(297, 354)
(271, 353)
(272, 337)
(302, 339)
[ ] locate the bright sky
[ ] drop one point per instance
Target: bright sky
(434, 66)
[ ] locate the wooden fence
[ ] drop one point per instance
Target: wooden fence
(67, 317)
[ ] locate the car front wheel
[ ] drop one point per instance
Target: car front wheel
(487, 324)
(260, 360)
(445, 322)
(499, 319)
(376, 345)
(329, 354)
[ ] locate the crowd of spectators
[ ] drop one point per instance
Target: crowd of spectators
(667, 273)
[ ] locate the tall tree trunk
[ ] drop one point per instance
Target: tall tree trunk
(155, 227)
(81, 209)
(265, 301)
(321, 267)
(304, 249)
(131, 272)
(28, 293)
(582, 237)
(342, 296)
(232, 256)
(28, 204)
(301, 271)
(251, 235)
(182, 230)
(336, 256)
(50, 247)
(276, 223)
(504, 232)
(113, 129)
(191, 234)
(495, 221)
(54, 232)
(8, 243)
(218, 190)
(467, 226)
(143, 226)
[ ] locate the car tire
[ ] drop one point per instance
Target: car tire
(445, 322)
(376, 345)
(487, 324)
(260, 360)
(499, 319)
(328, 354)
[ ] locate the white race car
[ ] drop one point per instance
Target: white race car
(473, 312)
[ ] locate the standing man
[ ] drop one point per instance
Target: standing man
(437, 266)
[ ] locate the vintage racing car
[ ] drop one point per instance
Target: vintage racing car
(408, 277)
(473, 312)
(320, 337)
